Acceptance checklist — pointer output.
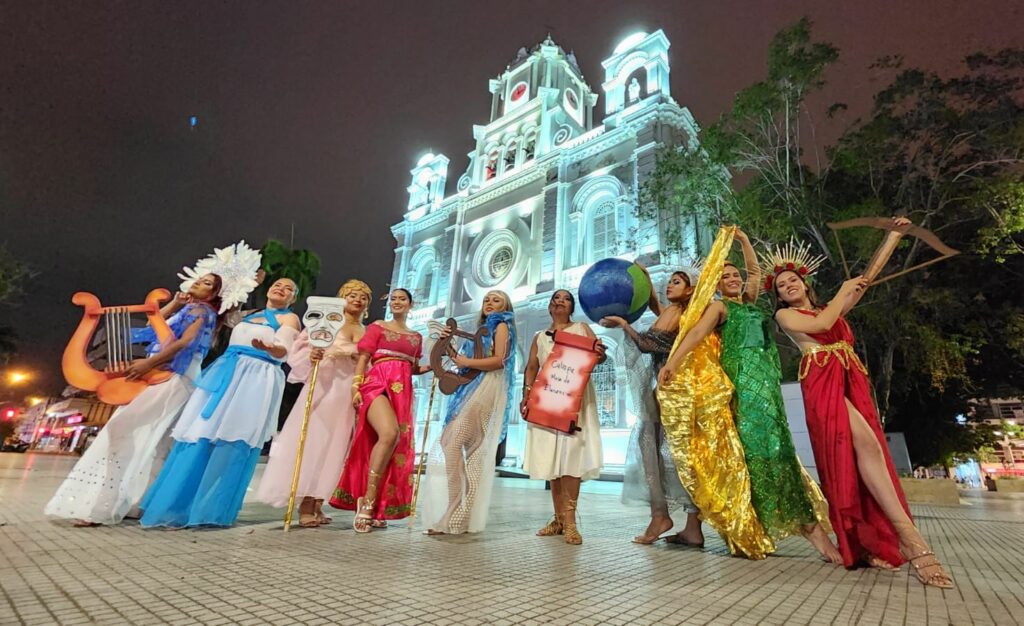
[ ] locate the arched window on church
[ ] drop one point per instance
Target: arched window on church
(603, 380)
(491, 169)
(603, 235)
(530, 147)
(423, 281)
(510, 155)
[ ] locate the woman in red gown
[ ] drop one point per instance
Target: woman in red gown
(867, 507)
(377, 479)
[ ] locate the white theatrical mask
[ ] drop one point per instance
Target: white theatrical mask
(323, 319)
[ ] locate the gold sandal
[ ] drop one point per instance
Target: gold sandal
(363, 521)
(912, 543)
(554, 527)
(940, 579)
(570, 532)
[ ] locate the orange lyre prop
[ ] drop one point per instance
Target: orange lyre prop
(109, 383)
(559, 387)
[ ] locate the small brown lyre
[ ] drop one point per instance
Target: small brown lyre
(447, 380)
(109, 384)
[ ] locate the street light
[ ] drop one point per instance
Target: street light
(16, 378)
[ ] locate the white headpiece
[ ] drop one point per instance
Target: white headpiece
(236, 265)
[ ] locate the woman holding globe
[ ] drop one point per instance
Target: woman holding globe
(650, 474)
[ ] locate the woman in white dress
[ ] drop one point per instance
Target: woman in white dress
(217, 440)
(110, 478)
(460, 466)
(331, 416)
(560, 458)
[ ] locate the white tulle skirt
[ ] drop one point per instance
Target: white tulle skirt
(456, 492)
(111, 477)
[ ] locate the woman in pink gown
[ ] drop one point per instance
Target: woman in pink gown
(377, 480)
(331, 417)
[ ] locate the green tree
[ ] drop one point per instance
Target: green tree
(947, 152)
(280, 261)
(13, 276)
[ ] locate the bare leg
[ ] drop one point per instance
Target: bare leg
(554, 527)
(873, 471)
(691, 534)
(570, 494)
(661, 523)
(819, 539)
(649, 442)
(381, 418)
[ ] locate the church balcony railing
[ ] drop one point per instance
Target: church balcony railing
(421, 315)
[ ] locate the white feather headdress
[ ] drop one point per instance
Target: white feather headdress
(236, 265)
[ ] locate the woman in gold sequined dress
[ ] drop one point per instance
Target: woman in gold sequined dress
(695, 396)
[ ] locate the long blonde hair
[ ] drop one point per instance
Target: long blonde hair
(504, 296)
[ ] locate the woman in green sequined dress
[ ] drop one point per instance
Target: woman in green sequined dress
(786, 499)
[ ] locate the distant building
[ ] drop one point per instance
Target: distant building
(1006, 416)
(67, 424)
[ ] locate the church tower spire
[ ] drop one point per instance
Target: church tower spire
(540, 101)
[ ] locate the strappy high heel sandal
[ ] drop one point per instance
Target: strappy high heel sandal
(930, 572)
(554, 527)
(926, 567)
(569, 531)
(363, 521)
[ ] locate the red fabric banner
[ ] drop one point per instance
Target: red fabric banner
(558, 390)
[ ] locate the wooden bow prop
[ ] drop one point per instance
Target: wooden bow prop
(448, 380)
(888, 246)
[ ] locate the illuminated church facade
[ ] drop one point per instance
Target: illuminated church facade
(547, 193)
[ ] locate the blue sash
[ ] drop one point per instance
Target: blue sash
(216, 378)
(270, 315)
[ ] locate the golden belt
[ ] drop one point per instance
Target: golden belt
(821, 354)
(390, 358)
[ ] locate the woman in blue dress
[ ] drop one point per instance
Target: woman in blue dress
(222, 429)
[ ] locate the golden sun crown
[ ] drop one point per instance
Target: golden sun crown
(792, 257)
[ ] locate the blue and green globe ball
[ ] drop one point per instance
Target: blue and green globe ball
(614, 287)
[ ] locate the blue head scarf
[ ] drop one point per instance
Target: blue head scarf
(458, 399)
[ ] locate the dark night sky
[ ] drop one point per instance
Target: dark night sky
(311, 114)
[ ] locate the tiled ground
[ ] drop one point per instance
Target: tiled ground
(255, 574)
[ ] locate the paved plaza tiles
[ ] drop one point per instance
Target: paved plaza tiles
(255, 574)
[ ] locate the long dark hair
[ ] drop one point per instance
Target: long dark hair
(214, 303)
(780, 303)
(689, 283)
(218, 283)
(685, 276)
